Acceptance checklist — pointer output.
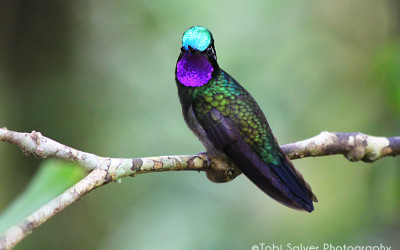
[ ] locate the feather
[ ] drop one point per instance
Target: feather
(281, 182)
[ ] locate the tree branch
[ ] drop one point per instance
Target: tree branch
(354, 146)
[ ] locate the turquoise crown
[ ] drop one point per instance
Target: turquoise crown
(197, 37)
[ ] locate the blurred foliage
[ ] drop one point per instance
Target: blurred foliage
(52, 178)
(99, 76)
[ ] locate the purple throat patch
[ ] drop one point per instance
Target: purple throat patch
(193, 70)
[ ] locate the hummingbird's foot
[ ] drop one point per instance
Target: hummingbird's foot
(221, 169)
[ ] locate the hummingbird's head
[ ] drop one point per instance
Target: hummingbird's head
(197, 62)
(198, 39)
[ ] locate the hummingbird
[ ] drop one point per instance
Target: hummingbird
(230, 124)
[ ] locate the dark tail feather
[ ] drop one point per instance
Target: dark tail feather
(280, 182)
(296, 185)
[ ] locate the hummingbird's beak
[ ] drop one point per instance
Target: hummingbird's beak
(192, 50)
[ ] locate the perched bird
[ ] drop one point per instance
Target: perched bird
(229, 122)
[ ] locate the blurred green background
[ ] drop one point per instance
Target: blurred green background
(99, 76)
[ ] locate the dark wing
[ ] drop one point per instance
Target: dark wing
(282, 182)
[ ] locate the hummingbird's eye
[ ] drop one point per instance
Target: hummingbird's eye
(209, 51)
(183, 49)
